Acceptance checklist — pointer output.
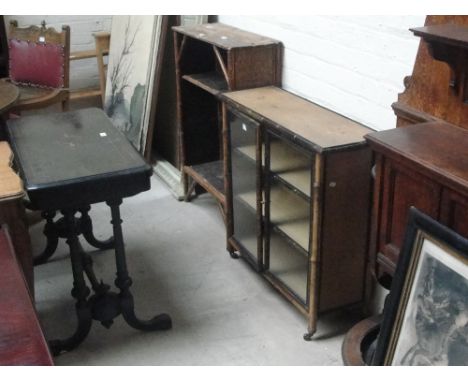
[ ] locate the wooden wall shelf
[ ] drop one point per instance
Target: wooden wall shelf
(449, 43)
(428, 96)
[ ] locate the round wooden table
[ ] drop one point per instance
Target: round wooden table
(9, 93)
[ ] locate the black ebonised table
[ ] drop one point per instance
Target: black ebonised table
(69, 161)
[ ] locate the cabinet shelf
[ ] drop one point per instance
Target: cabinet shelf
(249, 151)
(303, 192)
(290, 214)
(209, 175)
(290, 241)
(246, 152)
(249, 199)
(246, 235)
(287, 165)
(212, 82)
(291, 166)
(288, 266)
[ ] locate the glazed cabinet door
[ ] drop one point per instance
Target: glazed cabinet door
(287, 215)
(245, 159)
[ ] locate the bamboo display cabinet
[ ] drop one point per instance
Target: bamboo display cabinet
(298, 183)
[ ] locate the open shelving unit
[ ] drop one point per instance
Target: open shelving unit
(212, 59)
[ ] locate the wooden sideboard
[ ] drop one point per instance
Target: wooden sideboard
(422, 165)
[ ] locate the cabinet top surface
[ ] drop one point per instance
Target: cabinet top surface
(322, 128)
(224, 36)
(436, 146)
(451, 34)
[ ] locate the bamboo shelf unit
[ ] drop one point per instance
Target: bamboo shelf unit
(211, 59)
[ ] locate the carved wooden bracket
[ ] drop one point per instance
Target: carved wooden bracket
(449, 43)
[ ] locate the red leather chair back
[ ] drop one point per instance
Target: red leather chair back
(36, 64)
(39, 55)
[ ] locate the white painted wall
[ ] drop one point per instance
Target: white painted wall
(354, 65)
(83, 73)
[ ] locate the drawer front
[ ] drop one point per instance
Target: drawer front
(454, 211)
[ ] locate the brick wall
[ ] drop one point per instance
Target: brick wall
(83, 73)
(354, 65)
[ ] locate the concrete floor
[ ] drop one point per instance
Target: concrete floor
(223, 312)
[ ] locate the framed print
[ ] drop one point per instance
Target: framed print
(133, 55)
(425, 319)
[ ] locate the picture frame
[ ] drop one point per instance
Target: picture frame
(132, 75)
(425, 317)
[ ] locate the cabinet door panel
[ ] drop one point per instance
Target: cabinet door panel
(246, 193)
(287, 215)
(454, 211)
(402, 189)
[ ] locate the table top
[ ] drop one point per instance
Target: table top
(76, 157)
(9, 93)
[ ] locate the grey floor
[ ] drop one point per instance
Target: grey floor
(223, 312)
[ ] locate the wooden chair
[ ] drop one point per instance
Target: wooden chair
(3, 49)
(39, 65)
(102, 41)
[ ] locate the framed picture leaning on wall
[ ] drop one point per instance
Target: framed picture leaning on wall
(425, 320)
(133, 56)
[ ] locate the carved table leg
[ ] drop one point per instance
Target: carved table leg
(80, 290)
(86, 228)
(123, 281)
(52, 236)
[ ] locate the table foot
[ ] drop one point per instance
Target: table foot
(84, 326)
(160, 322)
(103, 305)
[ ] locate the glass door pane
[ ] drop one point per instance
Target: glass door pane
(245, 198)
(288, 214)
